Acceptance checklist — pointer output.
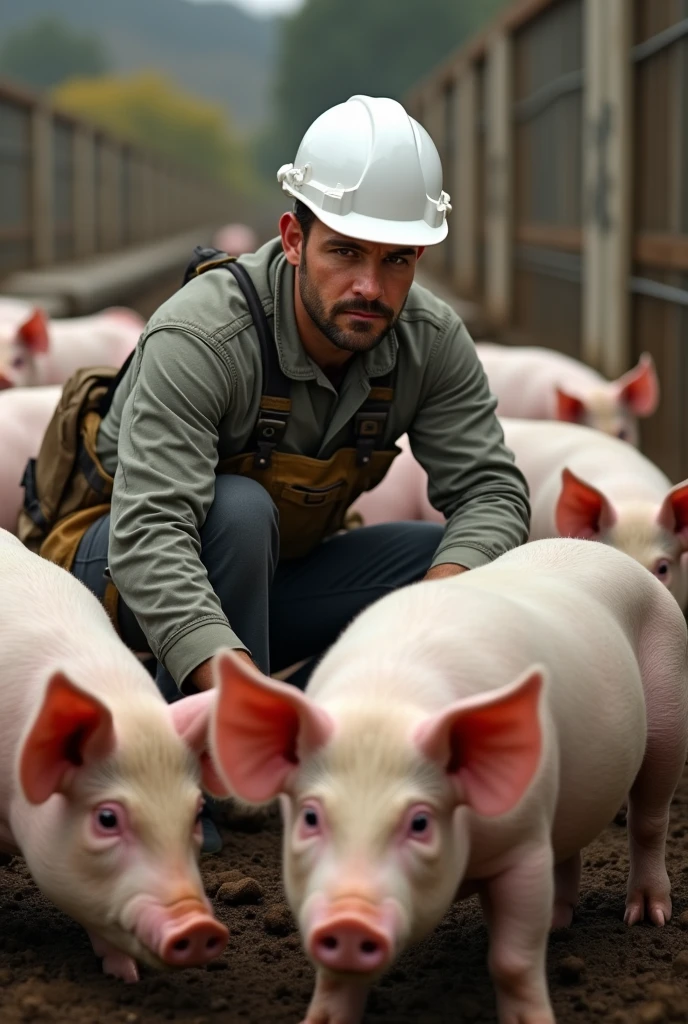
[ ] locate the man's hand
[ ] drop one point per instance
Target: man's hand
(202, 677)
(444, 571)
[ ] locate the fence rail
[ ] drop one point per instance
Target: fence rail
(563, 129)
(69, 190)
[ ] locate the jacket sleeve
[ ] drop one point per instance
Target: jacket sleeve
(472, 477)
(163, 488)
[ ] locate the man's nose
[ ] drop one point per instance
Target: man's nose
(368, 285)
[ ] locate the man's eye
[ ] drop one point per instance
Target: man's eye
(397, 261)
(345, 252)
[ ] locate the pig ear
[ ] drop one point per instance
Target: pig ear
(260, 729)
(490, 745)
(639, 388)
(569, 408)
(582, 511)
(34, 332)
(191, 718)
(673, 515)
(72, 729)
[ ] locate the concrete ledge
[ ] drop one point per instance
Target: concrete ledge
(79, 288)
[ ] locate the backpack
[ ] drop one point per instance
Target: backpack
(67, 477)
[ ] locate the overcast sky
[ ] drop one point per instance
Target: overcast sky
(268, 6)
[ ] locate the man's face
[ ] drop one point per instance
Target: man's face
(353, 291)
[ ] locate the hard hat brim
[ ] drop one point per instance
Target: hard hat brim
(382, 232)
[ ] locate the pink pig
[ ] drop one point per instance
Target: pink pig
(583, 484)
(24, 416)
(475, 732)
(99, 777)
(541, 384)
(35, 351)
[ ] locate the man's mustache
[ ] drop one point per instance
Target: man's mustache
(374, 308)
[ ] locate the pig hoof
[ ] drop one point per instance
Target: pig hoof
(121, 966)
(562, 916)
(658, 911)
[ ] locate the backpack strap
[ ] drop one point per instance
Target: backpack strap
(275, 401)
(371, 419)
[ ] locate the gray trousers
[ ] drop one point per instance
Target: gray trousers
(283, 611)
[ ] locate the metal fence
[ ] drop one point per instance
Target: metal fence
(564, 133)
(69, 190)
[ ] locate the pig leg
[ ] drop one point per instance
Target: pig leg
(518, 907)
(337, 1000)
(664, 680)
(566, 883)
(115, 963)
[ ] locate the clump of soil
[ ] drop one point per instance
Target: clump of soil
(598, 969)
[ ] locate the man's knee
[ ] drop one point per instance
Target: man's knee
(242, 512)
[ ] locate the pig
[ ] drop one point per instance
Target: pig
(24, 416)
(540, 384)
(100, 779)
(470, 733)
(582, 484)
(235, 239)
(36, 351)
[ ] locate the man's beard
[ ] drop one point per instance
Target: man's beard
(364, 335)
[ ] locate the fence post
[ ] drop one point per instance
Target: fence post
(84, 195)
(607, 185)
(42, 214)
(499, 172)
(464, 225)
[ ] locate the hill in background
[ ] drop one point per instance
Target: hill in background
(213, 49)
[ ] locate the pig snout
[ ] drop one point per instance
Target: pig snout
(352, 935)
(182, 935)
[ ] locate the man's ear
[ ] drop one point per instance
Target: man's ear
(292, 238)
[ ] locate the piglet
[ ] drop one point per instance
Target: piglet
(478, 732)
(583, 484)
(541, 384)
(100, 780)
(34, 350)
(24, 416)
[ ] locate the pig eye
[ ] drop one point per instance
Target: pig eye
(661, 569)
(311, 821)
(310, 818)
(17, 362)
(419, 825)
(109, 820)
(622, 434)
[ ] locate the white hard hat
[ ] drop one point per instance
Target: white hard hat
(367, 169)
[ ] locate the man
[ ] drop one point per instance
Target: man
(233, 476)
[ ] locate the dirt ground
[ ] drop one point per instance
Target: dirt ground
(599, 970)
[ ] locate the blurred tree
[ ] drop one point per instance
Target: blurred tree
(331, 50)
(150, 110)
(48, 52)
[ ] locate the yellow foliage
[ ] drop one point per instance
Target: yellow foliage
(152, 111)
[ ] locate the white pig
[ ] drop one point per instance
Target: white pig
(541, 384)
(99, 777)
(24, 416)
(582, 484)
(478, 730)
(35, 350)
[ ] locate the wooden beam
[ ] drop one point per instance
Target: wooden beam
(463, 226)
(499, 183)
(550, 236)
(663, 251)
(607, 185)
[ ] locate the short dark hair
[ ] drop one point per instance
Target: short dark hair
(305, 217)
